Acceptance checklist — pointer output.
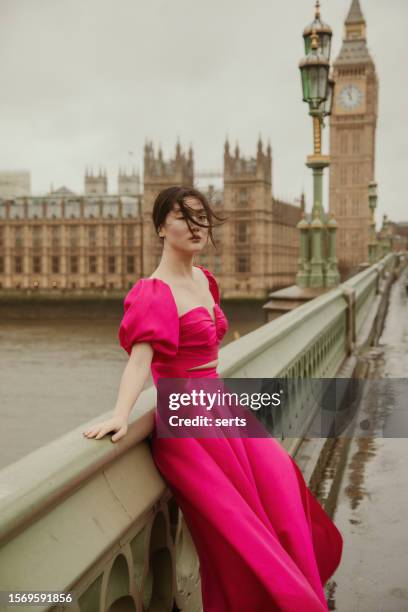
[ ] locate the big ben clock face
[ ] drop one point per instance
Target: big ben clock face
(350, 97)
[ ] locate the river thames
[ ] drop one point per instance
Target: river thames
(61, 365)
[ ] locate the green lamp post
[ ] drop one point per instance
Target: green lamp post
(372, 202)
(384, 246)
(318, 92)
(332, 275)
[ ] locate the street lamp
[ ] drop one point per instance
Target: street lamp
(318, 93)
(372, 202)
(323, 31)
(314, 69)
(385, 236)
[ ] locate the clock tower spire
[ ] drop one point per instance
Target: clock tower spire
(355, 14)
(355, 18)
(352, 141)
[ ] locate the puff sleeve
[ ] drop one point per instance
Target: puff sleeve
(150, 315)
(213, 285)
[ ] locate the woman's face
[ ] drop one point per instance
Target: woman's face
(176, 230)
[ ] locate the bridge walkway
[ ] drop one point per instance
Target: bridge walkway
(372, 507)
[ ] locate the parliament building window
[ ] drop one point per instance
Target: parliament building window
(242, 232)
(73, 260)
(242, 263)
(18, 237)
(92, 264)
(18, 264)
(37, 236)
(130, 264)
(37, 264)
(243, 197)
(55, 236)
(73, 236)
(55, 264)
(92, 235)
(1, 265)
(111, 235)
(111, 264)
(130, 235)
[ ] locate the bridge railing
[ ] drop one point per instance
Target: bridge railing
(96, 518)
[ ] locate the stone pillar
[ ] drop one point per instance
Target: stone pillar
(316, 277)
(302, 277)
(332, 272)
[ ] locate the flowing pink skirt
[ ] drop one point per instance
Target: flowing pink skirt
(263, 540)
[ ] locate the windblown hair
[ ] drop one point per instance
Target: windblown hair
(166, 200)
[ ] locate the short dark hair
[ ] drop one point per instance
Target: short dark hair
(177, 194)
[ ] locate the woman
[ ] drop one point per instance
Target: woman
(264, 542)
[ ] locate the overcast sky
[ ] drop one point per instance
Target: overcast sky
(85, 82)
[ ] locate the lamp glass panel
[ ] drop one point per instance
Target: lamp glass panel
(325, 44)
(314, 82)
(323, 81)
(372, 190)
(305, 84)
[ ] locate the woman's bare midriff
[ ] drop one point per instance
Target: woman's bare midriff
(211, 364)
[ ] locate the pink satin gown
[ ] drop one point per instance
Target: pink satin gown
(263, 540)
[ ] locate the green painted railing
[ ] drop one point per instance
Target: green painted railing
(96, 518)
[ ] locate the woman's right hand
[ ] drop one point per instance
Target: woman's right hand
(117, 424)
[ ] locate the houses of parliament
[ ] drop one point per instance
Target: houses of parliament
(98, 241)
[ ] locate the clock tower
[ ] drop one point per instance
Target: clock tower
(352, 141)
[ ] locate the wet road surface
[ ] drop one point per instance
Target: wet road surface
(372, 509)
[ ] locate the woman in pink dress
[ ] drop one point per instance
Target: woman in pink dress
(263, 540)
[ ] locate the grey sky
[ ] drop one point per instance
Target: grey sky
(83, 82)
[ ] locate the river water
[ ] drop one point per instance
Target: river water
(61, 365)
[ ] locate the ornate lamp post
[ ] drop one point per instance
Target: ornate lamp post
(318, 92)
(372, 202)
(332, 273)
(384, 242)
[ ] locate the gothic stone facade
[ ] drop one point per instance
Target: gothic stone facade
(96, 241)
(70, 243)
